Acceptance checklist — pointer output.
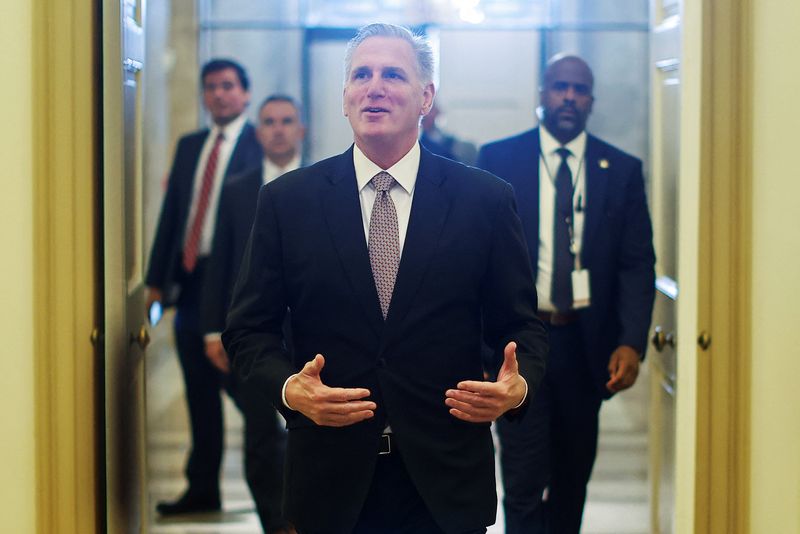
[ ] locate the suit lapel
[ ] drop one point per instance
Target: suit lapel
(597, 168)
(429, 210)
(342, 211)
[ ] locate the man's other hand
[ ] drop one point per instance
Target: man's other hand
(216, 354)
(152, 294)
(325, 405)
(481, 401)
(623, 368)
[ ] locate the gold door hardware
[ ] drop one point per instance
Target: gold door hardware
(661, 339)
(142, 338)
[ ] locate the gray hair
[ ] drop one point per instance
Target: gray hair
(419, 43)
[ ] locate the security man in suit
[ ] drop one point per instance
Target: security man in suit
(389, 259)
(584, 212)
(178, 263)
(280, 131)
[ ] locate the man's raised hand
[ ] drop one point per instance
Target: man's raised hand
(482, 401)
(325, 405)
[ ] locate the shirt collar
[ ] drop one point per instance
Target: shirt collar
(292, 165)
(550, 144)
(404, 171)
(231, 130)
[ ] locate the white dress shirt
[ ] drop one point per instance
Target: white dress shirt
(231, 133)
(549, 162)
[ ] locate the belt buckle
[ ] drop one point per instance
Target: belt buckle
(385, 444)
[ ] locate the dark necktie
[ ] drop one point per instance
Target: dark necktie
(384, 240)
(563, 260)
(192, 243)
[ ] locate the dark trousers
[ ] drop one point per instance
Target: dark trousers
(554, 445)
(265, 441)
(393, 504)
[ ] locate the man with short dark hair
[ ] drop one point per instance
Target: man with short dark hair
(584, 212)
(178, 263)
(280, 131)
(392, 262)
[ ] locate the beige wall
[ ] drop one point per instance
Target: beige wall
(17, 464)
(775, 464)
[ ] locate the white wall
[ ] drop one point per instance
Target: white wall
(775, 462)
(17, 446)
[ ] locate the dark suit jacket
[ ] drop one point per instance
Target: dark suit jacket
(617, 240)
(464, 258)
(237, 210)
(165, 256)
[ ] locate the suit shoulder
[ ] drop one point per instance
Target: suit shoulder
(608, 150)
(194, 137)
(250, 179)
(479, 181)
(511, 143)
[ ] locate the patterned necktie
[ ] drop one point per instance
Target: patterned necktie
(384, 240)
(192, 243)
(563, 260)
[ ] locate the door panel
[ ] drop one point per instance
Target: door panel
(665, 51)
(126, 332)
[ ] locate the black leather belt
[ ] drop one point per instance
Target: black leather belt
(385, 446)
(555, 318)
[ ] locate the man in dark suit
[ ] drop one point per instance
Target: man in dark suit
(390, 259)
(280, 132)
(203, 160)
(584, 212)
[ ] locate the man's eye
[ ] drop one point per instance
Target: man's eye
(560, 86)
(359, 75)
(393, 75)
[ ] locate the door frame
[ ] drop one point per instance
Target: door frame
(715, 225)
(66, 267)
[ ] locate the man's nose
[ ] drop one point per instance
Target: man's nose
(376, 87)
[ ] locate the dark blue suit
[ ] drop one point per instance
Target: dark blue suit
(555, 444)
(464, 261)
(184, 290)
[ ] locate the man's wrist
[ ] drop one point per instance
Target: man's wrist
(525, 396)
(283, 392)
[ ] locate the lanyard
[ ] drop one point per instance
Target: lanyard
(574, 244)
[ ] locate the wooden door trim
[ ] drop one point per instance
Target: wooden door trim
(65, 259)
(724, 269)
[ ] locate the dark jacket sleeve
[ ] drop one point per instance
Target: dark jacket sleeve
(170, 223)
(219, 275)
(509, 296)
(254, 334)
(636, 265)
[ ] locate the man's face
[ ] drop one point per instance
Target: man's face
(384, 97)
(566, 98)
(280, 131)
(224, 96)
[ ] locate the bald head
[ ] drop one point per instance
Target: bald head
(566, 97)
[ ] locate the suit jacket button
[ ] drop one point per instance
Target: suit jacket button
(382, 363)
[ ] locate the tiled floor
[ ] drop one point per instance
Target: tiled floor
(617, 493)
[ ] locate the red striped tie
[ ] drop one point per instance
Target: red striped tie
(192, 243)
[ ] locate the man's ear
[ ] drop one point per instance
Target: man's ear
(428, 93)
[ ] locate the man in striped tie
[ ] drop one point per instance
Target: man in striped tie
(203, 161)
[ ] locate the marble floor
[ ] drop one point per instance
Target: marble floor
(617, 501)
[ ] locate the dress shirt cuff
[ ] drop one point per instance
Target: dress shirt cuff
(524, 397)
(212, 336)
(283, 392)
